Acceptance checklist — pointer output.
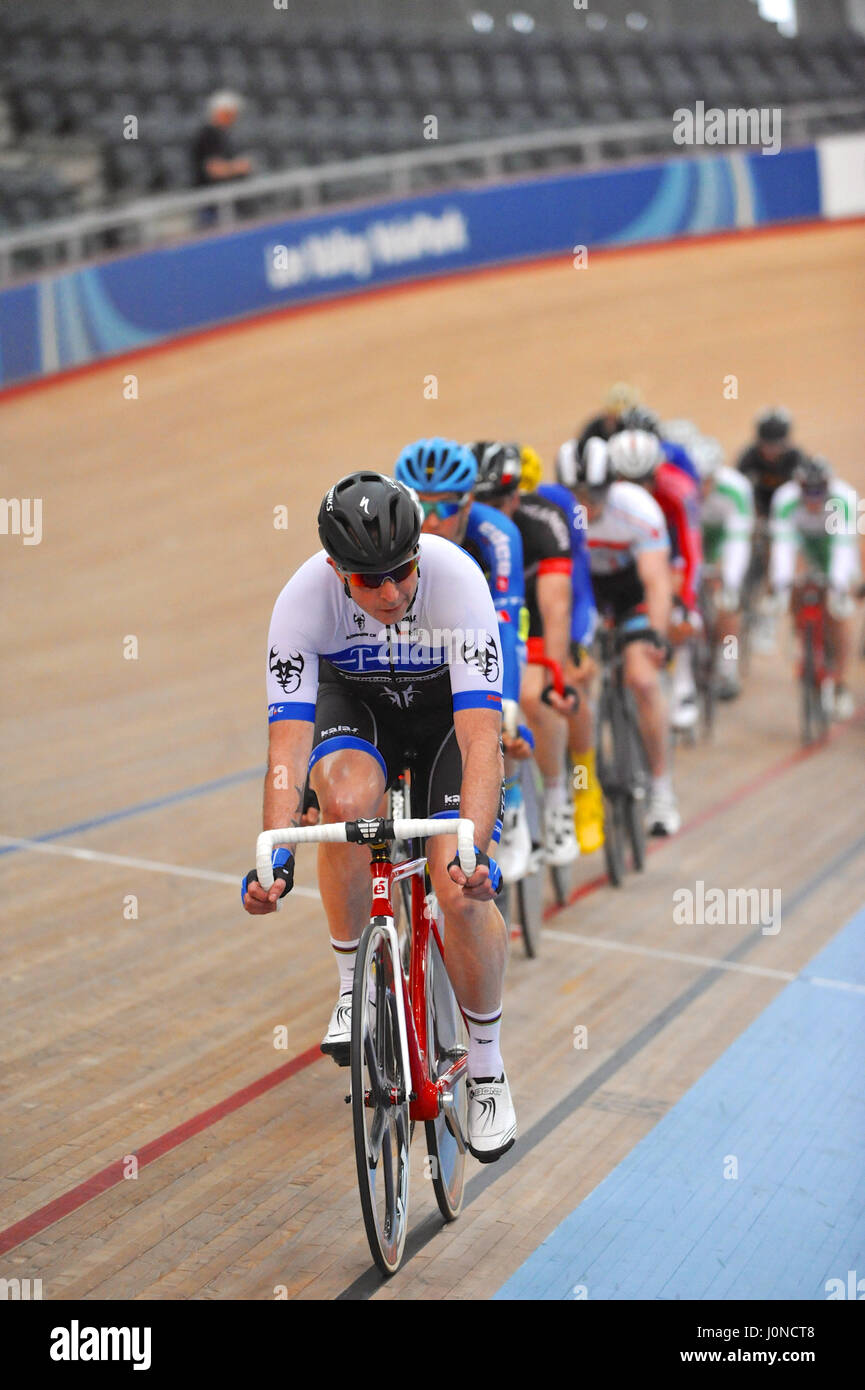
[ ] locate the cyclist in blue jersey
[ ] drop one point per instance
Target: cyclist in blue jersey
(547, 565)
(443, 474)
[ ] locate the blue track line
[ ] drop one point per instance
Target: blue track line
(140, 808)
(752, 1186)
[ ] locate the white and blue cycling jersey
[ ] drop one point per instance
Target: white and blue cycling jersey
(444, 655)
(583, 612)
(494, 543)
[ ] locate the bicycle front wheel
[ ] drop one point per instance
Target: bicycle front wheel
(379, 1098)
(638, 784)
(447, 1040)
(814, 723)
(611, 788)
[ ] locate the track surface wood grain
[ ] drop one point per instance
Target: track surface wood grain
(158, 519)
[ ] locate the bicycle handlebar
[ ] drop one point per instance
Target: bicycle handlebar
(365, 832)
(557, 683)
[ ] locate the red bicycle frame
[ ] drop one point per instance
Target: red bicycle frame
(809, 611)
(426, 1094)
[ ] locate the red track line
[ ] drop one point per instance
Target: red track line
(732, 799)
(423, 282)
(113, 1175)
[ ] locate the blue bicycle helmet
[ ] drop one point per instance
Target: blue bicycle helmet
(437, 465)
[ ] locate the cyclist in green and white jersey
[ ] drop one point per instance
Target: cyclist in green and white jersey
(812, 524)
(727, 518)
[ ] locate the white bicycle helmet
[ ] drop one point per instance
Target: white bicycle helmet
(682, 432)
(634, 454)
(708, 457)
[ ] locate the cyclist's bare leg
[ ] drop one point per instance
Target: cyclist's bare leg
(476, 938)
(349, 784)
(841, 640)
(548, 727)
(643, 680)
(580, 725)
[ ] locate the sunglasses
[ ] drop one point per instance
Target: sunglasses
(375, 581)
(444, 510)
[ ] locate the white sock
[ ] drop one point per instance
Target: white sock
(485, 1059)
(683, 675)
(346, 955)
(663, 785)
(555, 792)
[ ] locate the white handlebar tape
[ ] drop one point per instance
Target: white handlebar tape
(510, 717)
(335, 834)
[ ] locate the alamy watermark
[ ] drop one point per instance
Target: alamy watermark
(720, 907)
(21, 516)
(735, 126)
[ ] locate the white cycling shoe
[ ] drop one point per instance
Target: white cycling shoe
(843, 705)
(492, 1118)
(560, 840)
(515, 849)
(685, 711)
(336, 1042)
(663, 816)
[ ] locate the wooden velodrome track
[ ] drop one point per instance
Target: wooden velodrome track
(155, 1035)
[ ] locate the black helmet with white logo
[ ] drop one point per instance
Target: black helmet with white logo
(369, 523)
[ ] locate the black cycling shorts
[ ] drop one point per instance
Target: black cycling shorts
(399, 739)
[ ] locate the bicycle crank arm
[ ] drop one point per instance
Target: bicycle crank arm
(452, 1116)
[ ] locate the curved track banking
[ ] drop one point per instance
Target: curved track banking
(136, 1034)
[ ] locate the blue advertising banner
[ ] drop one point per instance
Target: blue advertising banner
(81, 316)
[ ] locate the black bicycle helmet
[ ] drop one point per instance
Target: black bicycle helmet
(369, 523)
(773, 424)
(640, 417)
(812, 474)
(499, 469)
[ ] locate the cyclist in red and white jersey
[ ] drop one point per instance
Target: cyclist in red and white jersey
(638, 457)
(629, 559)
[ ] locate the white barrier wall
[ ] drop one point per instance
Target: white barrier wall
(841, 163)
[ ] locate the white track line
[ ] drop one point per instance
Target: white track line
(154, 865)
(656, 953)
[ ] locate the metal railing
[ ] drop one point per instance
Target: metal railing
(155, 221)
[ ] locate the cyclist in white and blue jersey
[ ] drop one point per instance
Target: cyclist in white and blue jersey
(383, 652)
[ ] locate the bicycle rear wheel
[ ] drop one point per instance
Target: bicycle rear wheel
(608, 776)
(636, 779)
(447, 1041)
(813, 714)
(379, 1098)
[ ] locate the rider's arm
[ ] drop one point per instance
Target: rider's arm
(582, 595)
(843, 567)
(478, 732)
(554, 606)
(287, 762)
(501, 546)
(292, 687)
(738, 530)
(782, 531)
(681, 510)
(653, 567)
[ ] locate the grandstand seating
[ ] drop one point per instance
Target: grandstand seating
(317, 90)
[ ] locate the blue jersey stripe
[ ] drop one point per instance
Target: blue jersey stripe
(293, 710)
(477, 699)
